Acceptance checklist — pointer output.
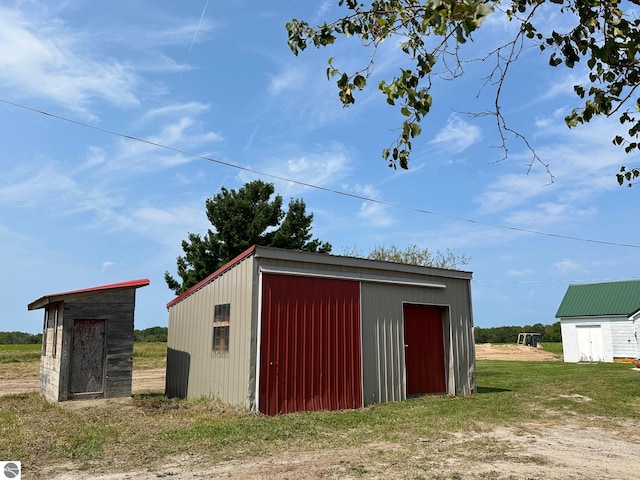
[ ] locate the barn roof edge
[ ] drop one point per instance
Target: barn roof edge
(284, 254)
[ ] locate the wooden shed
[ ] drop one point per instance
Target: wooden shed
(87, 342)
(282, 331)
(600, 322)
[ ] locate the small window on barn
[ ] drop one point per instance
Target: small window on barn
(221, 316)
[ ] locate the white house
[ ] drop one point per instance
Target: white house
(601, 322)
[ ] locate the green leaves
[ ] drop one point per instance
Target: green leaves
(600, 36)
(627, 175)
(249, 216)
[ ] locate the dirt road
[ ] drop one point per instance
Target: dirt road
(143, 380)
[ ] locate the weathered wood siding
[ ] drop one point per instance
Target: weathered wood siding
(50, 361)
(116, 308)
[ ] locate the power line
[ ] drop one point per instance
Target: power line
(309, 185)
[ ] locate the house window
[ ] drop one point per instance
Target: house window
(221, 316)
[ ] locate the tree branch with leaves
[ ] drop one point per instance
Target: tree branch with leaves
(601, 36)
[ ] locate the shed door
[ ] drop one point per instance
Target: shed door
(310, 344)
(424, 349)
(87, 357)
(589, 343)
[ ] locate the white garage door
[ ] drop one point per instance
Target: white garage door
(589, 343)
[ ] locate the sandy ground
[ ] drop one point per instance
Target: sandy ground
(142, 380)
(567, 448)
(488, 351)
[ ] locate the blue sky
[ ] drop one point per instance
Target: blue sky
(81, 207)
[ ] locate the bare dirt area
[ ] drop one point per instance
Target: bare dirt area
(489, 351)
(567, 451)
(143, 380)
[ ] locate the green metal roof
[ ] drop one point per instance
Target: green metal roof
(595, 299)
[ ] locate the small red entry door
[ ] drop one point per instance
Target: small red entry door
(424, 349)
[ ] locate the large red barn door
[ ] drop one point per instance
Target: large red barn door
(424, 349)
(310, 356)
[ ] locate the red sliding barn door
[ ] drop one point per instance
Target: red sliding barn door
(310, 356)
(424, 349)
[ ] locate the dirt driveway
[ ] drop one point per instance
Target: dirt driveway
(143, 380)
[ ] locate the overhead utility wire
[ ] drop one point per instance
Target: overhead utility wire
(317, 187)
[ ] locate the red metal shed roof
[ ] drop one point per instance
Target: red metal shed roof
(248, 252)
(56, 297)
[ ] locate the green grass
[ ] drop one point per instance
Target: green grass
(149, 355)
(145, 354)
(20, 353)
(553, 347)
(152, 428)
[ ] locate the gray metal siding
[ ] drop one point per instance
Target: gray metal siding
(383, 337)
(193, 369)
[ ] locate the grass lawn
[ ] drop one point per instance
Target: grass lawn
(152, 428)
(553, 347)
(20, 353)
(145, 354)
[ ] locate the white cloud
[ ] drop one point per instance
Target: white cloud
(292, 78)
(568, 266)
(183, 132)
(29, 187)
(190, 109)
(520, 273)
(319, 168)
(167, 225)
(106, 265)
(373, 214)
(42, 58)
(457, 135)
(95, 156)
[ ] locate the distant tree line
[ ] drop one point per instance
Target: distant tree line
(550, 333)
(15, 338)
(153, 334)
